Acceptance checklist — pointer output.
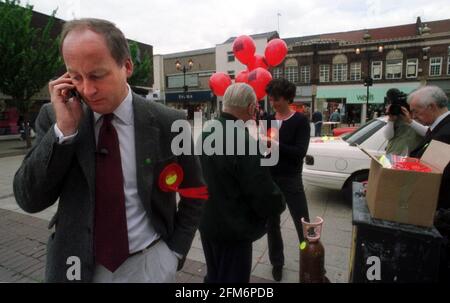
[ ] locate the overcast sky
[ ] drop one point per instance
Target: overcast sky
(180, 25)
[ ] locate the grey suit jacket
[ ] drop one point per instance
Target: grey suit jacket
(67, 171)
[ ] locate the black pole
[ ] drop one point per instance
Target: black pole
(367, 103)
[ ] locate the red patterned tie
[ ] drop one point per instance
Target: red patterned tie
(111, 234)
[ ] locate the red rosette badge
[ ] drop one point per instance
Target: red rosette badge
(172, 176)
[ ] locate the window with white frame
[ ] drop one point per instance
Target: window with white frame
(277, 73)
(305, 74)
(339, 72)
(435, 66)
(230, 56)
(324, 71)
(231, 74)
(394, 69)
(355, 71)
(448, 62)
(412, 68)
(291, 73)
(377, 70)
(448, 65)
(340, 68)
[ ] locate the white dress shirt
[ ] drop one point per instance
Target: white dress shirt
(140, 231)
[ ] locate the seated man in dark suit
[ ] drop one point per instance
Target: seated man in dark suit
(429, 107)
(101, 150)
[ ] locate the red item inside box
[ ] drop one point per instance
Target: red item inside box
(412, 164)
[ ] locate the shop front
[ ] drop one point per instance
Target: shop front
(303, 100)
(351, 100)
(191, 102)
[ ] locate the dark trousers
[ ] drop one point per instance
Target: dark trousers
(317, 129)
(227, 262)
(292, 188)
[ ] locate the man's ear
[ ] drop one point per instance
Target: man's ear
(129, 67)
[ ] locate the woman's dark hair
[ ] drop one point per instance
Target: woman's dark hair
(281, 88)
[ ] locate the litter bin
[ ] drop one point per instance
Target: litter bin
(385, 251)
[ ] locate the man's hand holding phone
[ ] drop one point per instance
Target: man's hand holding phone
(66, 103)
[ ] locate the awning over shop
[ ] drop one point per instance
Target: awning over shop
(358, 95)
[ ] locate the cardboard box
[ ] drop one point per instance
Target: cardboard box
(406, 196)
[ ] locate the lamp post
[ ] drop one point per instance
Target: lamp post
(368, 80)
(184, 69)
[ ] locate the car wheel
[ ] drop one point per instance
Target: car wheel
(358, 177)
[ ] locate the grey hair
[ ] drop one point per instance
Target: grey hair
(239, 95)
(429, 94)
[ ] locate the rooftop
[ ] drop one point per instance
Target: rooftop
(268, 35)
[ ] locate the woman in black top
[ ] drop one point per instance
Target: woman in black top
(293, 141)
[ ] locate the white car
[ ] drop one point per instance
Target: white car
(335, 162)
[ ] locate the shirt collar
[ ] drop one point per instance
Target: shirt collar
(124, 112)
(439, 119)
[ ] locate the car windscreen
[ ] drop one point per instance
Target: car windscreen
(361, 134)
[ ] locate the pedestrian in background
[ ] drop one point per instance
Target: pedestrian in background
(317, 119)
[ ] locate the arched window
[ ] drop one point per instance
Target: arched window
(340, 66)
(394, 64)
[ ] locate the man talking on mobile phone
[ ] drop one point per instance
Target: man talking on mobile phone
(103, 160)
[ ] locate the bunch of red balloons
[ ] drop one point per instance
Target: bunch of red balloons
(256, 74)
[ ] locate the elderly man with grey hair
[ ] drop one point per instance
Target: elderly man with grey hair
(242, 195)
(429, 106)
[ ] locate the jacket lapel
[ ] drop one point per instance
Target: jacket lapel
(441, 124)
(86, 149)
(147, 144)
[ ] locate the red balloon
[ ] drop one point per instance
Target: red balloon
(275, 52)
(258, 79)
(242, 77)
(244, 48)
(257, 61)
(219, 83)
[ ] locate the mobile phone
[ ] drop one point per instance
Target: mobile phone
(74, 93)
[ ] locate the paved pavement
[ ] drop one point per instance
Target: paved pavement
(23, 238)
(12, 145)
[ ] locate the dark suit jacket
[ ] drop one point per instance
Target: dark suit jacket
(67, 171)
(440, 133)
(242, 195)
